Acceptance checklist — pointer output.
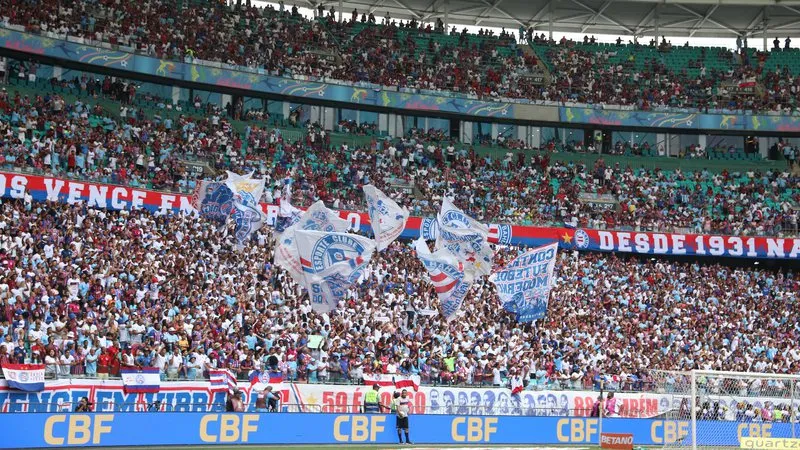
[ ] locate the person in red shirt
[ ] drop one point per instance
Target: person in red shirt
(103, 364)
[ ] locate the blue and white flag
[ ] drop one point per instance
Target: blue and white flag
(456, 225)
(465, 238)
(387, 218)
(523, 286)
(213, 200)
(331, 263)
(247, 213)
(447, 275)
(143, 379)
(288, 215)
(316, 218)
(248, 218)
(246, 189)
(24, 377)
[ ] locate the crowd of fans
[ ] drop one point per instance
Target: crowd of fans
(88, 291)
(83, 141)
(416, 55)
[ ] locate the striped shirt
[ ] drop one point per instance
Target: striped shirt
(403, 406)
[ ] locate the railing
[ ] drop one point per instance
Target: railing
(484, 382)
(512, 406)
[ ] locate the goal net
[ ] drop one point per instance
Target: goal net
(710, 409)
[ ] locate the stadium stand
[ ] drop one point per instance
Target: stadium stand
(82, 285)
(416, 55)
(84, 141)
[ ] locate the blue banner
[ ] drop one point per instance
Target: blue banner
(240, 78)
(124, 429)
(523, 286)
(683, 121)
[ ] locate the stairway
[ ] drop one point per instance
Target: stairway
(528, 51)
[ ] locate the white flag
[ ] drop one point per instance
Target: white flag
(316, 218)
(331, 263)
(465, 238)
(246, 189)
(455, 224)
(447, 275)
(387, 218)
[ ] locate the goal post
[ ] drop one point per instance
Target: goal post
(716, 409)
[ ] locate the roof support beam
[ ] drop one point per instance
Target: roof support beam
(706, 18)
(408, 8)
(496, 7)
(703, 20)
(376, 5)
(646, 19)
(487, 10)
(595, 16)
(600, 14)
(787, 25)
(758, 19)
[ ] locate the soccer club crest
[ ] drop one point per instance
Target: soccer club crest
(456, 219)
(429, 228)
(582, 240)
(334, 249)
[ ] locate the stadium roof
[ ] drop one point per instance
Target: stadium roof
(689, 18)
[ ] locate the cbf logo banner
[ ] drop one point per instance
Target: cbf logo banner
(447, 275)
(388, 219)
(316, 218)
(331, 263)
(524, 285)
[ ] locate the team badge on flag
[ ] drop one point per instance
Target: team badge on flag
(247, 213)
(144, 379)
(316, 218)
(24, 377)
(387, 218)
(213, 200)
(331, 263)
(465, 238)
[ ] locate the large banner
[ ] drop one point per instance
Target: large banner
(13, 185)
(258, 81)
(679, 120)
(143, 429)
(523, 286)
(200, 396)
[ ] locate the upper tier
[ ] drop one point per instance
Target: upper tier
(465, 74)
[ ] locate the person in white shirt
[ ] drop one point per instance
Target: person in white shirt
(66, 362)
(174, 365)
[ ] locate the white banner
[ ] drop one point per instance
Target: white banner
(523, 286)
